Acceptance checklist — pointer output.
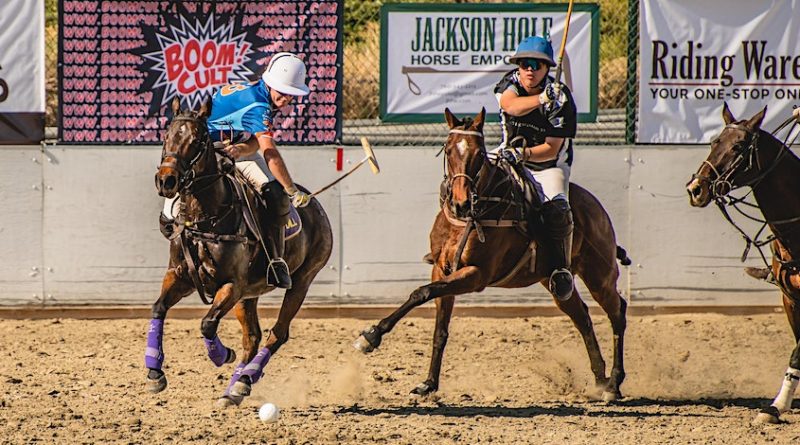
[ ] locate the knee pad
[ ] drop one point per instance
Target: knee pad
(557, 217)
(277, 199)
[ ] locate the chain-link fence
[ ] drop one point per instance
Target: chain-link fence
(362, 77)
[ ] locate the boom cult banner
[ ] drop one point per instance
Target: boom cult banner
(745, 53)
(21, 71)
(122, 63)
(437, 56)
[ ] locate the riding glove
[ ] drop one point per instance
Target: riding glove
(512, 155)
(552, 92)
(299, 198)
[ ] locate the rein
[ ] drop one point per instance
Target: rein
(723, 200)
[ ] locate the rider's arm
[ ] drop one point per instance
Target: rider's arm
(544, 152)
(516, 105)
(267, 147)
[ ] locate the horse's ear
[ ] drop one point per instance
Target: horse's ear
(176, 106)
(727, 116)
(205, 109)
(452, 120)
(477, 123)
(755, 122)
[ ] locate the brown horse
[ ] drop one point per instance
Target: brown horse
(478, 240)
(216, 254)
(744, 155)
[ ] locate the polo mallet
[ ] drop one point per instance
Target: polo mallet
(370, 158)
(556, 105)
(563, 42)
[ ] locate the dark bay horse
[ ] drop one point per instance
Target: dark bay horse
(468, 257)
(217, 253)
(744, 155)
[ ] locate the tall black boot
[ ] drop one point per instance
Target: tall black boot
(557, 218)
(278, 273)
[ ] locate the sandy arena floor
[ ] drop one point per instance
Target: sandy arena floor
(695, 378)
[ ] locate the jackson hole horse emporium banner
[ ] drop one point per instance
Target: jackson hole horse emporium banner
(22, 91)
(435, 56)
(697, 54)
(122, 63)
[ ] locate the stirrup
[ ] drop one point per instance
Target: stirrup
(561, 284)
(278, 274)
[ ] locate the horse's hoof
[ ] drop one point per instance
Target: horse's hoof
(228, 401)
(611, 396)
(240, 389)
(231, 356)
(156, 385)
(770, 415)
(362, 344)
(423, 389)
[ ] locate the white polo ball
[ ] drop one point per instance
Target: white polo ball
(268, 413)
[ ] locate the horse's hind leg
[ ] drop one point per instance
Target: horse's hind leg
(173, 289)
(783, 401)
(578, 312)
(444, 309)
(247, 313)
(276, 337)
(607, 296)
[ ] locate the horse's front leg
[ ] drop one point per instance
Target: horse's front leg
(783, 401)
(173, 289)
(226, 297)
(467, 279)
(444, 309)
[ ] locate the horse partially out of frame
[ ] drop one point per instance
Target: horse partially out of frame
(478, 240)
(744, 155)
(217, 254)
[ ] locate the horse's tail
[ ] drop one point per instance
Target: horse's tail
(622, 256)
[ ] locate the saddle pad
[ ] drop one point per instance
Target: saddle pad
(294, 225)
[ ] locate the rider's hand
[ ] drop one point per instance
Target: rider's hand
(232, 150)
(552, 92)
(299, 198)
(512, 155)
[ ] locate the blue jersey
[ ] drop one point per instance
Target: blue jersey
(238, 108)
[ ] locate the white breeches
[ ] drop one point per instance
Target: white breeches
(253, 167)
(554, 182)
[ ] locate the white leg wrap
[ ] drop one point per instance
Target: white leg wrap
(784, 399)
(169, 206)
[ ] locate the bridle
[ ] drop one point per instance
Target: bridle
(721, 184)
(187, 175)
(471, 180)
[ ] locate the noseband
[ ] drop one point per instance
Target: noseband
(185, 169)
(722, 183)
(471, 181)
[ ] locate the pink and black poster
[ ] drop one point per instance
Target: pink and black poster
(122, 63)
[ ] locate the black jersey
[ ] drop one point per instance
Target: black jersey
(538, 124)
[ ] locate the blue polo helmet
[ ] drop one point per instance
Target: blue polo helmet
(534, 47)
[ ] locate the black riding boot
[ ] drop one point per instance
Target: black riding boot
(278, 215)
(557, 218)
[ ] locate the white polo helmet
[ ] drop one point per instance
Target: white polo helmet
(286, 73)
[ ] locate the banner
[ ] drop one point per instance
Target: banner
(22, 91)
(435, 56)
(745, 53)
(122, 63)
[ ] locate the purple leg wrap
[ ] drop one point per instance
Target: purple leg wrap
(255, 369)
(153, 354)
(217, 352)
(237, 372)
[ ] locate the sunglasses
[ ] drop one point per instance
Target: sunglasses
(533, 64)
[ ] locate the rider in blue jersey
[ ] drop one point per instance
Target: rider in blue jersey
(242, 120)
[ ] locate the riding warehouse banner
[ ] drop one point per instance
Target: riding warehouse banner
(745, 53)
(122, 63)
(452, 55)
(22, 90)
